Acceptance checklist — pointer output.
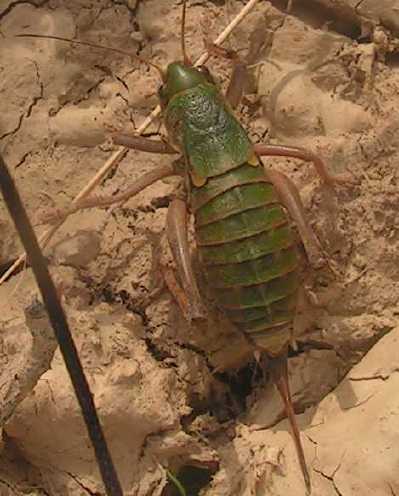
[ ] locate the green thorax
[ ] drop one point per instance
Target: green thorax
(206, 131)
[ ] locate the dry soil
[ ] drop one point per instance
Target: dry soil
(185, 398)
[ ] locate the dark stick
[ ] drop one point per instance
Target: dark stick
(61, 330)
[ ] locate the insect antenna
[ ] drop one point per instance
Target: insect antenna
(95, 45)
(186, 58)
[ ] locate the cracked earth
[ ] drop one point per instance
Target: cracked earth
(192, 399)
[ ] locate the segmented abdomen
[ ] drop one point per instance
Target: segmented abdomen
(248, 253)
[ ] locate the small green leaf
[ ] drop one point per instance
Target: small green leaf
(176, 482)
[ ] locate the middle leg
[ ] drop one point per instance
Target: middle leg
(189, 299)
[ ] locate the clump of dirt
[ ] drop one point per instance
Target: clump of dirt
(186, 398)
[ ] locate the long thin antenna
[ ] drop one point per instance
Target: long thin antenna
(186, 59)
(93, 45)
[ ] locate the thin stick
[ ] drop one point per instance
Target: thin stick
(228, 30)
(119, 154)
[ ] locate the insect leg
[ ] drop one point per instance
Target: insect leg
(237, 83)
(143, 144)
(178, 241)
(279, 374)
(105, 201)
(307, 156)
(290, 198)
(238, 77)
(170, 281)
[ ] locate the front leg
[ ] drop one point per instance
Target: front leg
(237, 83)
(142, 144)
(189, 299)
(239, 75)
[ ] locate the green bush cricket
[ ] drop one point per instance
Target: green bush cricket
(242, 213)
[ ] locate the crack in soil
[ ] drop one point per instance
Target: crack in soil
(16, 129)
(376, 377)
(22, 160)
(81, 485)
(358, 5)
(87, 93)
(36, 99)
(7, 484)
(331, 477)
(10, 7)
(27, 114)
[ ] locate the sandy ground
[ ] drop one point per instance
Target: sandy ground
(184, 398)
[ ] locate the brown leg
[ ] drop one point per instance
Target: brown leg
(142, 144)
(237, 83)
(290, 198)
(279, 374)
(174, 287)
(105, 201)
(238, 77)
(178, 239)
(307, 156)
